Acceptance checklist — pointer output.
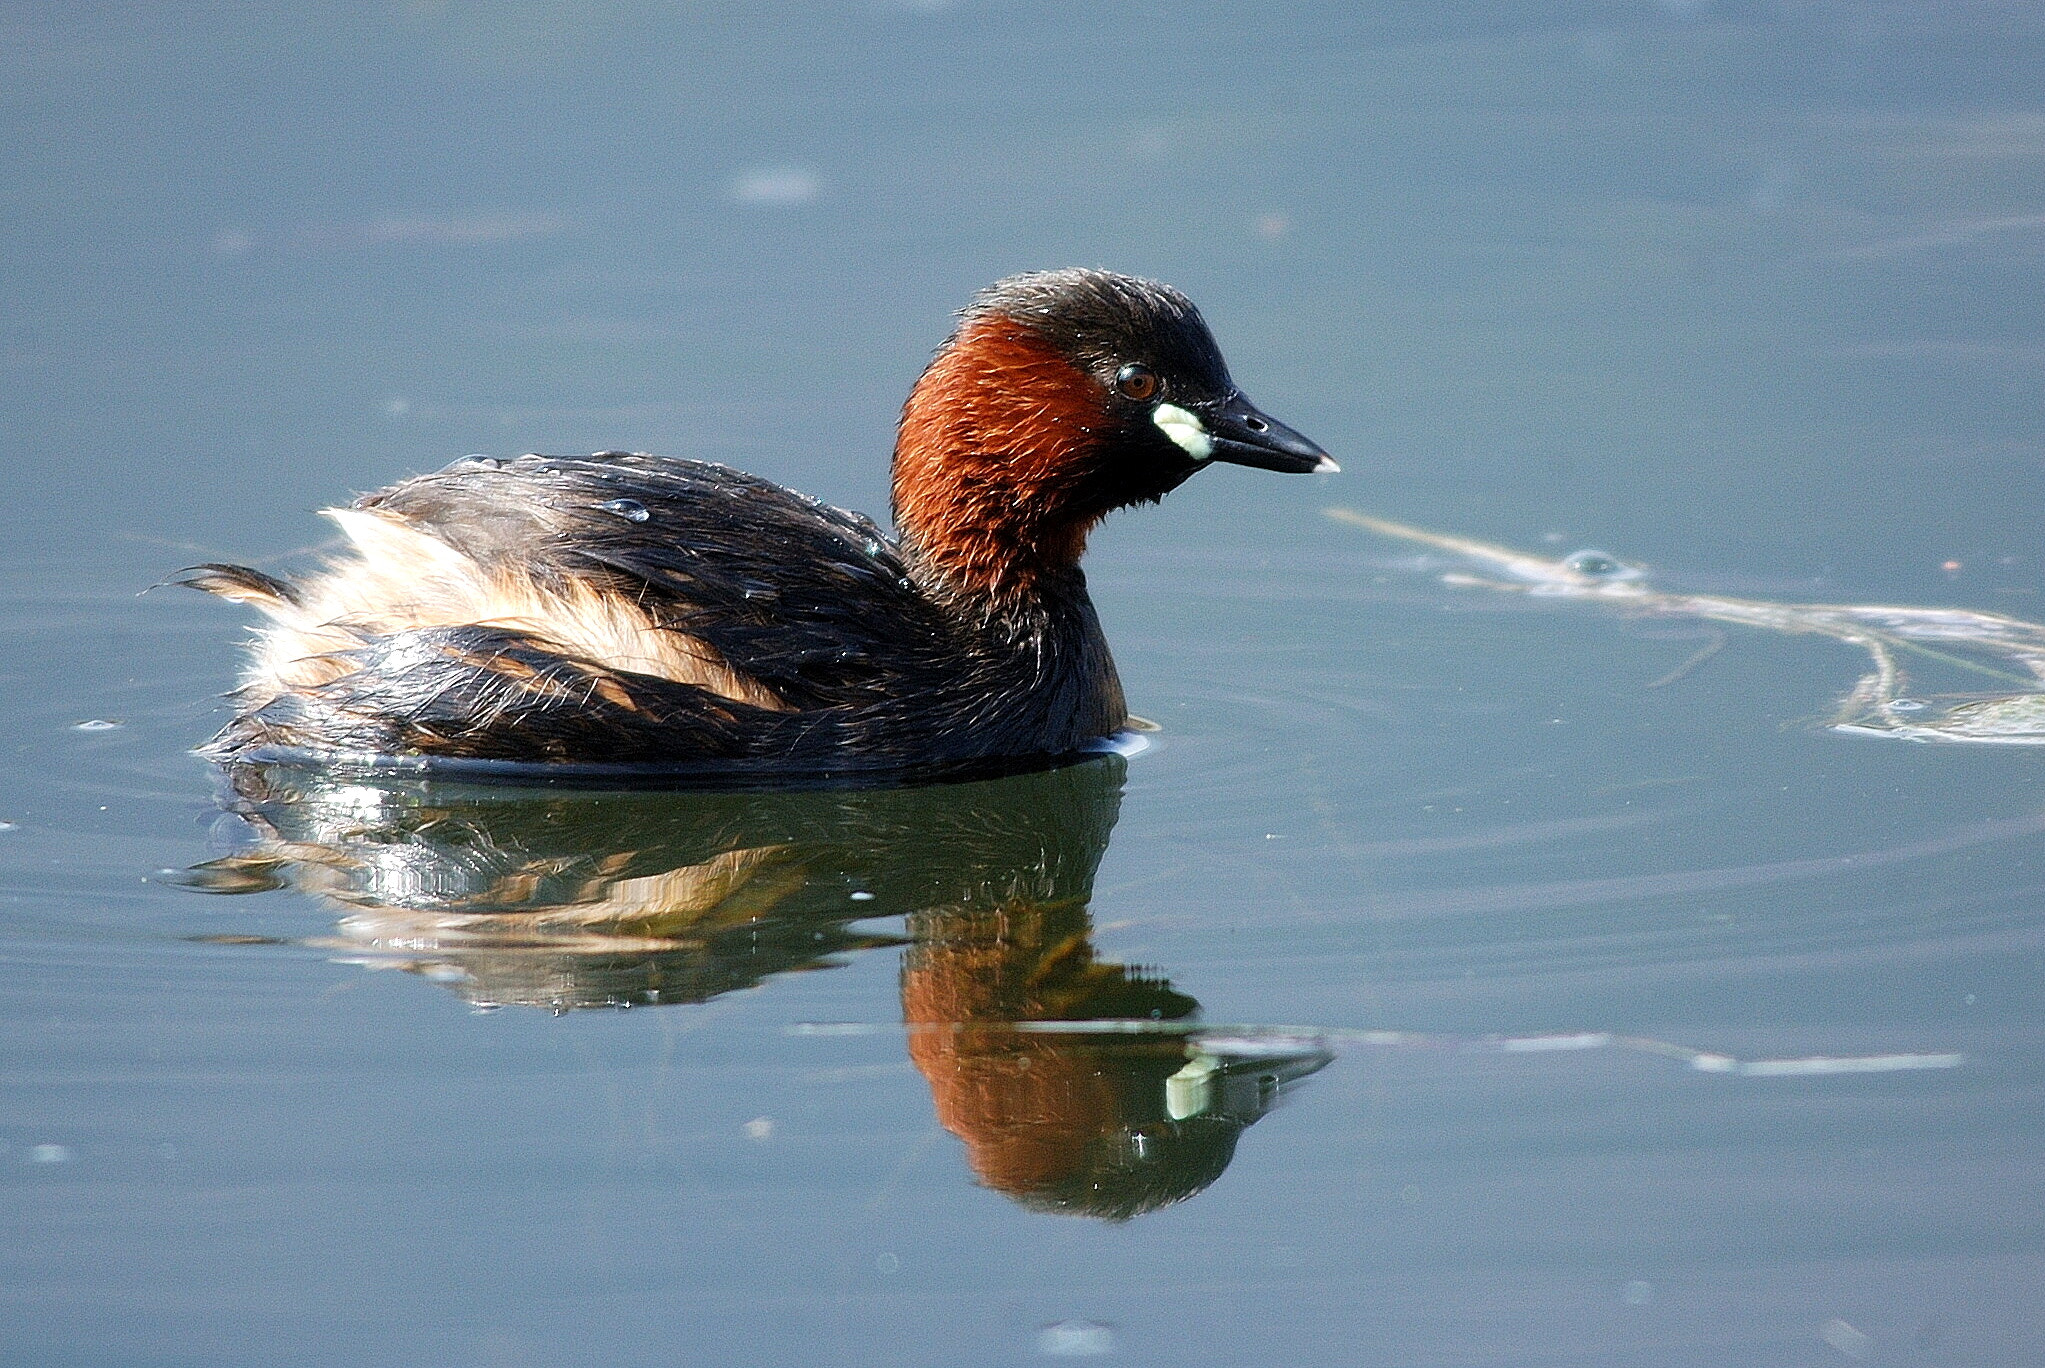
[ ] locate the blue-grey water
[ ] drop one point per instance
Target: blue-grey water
(1745, 290)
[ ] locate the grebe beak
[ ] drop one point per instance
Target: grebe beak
(1243, 435)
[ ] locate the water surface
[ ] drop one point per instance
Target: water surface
(1432, 903)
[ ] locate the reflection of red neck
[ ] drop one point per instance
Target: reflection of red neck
(994, 440)
(1029, 1107)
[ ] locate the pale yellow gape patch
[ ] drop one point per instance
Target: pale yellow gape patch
(1187, 432)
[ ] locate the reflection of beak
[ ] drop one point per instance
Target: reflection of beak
(1244, 436)
(1240, 1078)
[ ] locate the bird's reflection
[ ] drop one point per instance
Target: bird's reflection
(1060, 1071)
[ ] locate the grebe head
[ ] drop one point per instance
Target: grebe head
(1061, 396)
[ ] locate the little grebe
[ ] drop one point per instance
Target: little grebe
(624, 610)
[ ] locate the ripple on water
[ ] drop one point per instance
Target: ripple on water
(1436, 811)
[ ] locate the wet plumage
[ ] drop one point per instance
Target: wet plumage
(626, 609)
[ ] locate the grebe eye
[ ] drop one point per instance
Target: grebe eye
(1136, 382)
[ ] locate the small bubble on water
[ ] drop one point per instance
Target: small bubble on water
(1076, 1339)
(778, 187)
(1599, 47)
(1597, 564)
(1150, 144)
(861, 895)
(50, 1154)
(631, 510)
(759, 1128)
(887, 1262)
(1848, 1340)
(98, 724)
(1637, 1293)
(1777, 180)
(1905, 705)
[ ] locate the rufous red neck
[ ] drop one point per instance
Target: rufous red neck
(994, 442)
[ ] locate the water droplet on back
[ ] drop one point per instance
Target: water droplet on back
(631, 510)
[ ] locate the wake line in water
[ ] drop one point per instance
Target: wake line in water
(1988, 645)
(1288, 1041)
(1535, 897)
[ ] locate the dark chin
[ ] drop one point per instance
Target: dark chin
(1178, 474)
(1160, 480)
(1136, 474)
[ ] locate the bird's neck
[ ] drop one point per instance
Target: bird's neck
(993, 445)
